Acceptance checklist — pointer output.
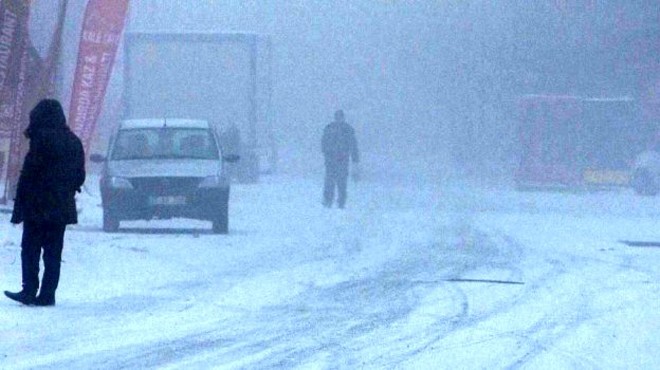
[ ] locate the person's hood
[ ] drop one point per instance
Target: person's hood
(46, 115)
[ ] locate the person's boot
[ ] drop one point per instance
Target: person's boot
(45, 300)
(23, 297)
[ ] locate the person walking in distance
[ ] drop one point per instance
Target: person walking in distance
(53, 170)
(339, 147)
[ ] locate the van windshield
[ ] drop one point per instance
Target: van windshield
(165, 143)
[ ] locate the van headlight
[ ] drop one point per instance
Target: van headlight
(212, 182)
(119, 183)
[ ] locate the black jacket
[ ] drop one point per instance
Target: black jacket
(339, 145)
(53, 170)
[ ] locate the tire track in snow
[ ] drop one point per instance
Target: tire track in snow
(392, 295)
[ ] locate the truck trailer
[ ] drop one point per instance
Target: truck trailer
(223, 78)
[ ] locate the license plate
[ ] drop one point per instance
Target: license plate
(168, 201)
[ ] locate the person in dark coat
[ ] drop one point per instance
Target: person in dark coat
(53, 170)
(339, 147)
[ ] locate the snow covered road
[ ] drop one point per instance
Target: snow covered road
(409, 276)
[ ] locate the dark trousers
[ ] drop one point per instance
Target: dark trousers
(332, 181)
(50, 238)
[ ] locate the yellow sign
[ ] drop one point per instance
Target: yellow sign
(611, 177)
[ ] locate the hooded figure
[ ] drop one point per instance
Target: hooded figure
(339, 147)
(53, 170)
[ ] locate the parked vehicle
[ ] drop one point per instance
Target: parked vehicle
(576, 142)
(164, 168)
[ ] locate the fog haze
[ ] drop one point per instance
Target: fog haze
(423, 79)
(506, 215)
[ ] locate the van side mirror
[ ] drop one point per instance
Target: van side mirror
(97, 158)
(231, 158)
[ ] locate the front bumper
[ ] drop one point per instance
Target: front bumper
(163, 198)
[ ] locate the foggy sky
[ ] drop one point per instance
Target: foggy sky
(413, 76)
(377, 60)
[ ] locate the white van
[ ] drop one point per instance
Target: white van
(164, 168)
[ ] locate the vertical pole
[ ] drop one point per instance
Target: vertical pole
(127, 43)
(253, 160)
(126, 81)
(271, 134)
(253, 93)
(59, 75)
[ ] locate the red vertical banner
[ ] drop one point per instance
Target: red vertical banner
(15, 61)
(102, 28)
